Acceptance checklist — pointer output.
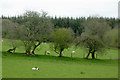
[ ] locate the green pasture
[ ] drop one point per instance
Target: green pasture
(18, 65)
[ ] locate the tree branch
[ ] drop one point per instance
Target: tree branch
(56, 51)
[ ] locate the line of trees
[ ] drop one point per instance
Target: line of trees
(76, 24)
(33, 28)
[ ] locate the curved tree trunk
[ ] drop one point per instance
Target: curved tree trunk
(33, 51)
(10, 50)
(87, 55)
(90, 49)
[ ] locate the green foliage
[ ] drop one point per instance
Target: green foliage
(111, 38)
(9, 29)
(92, 37)
(95, 30)
(66, 22)
(92, 42)
(40, 50)
(15, 43)
(76, 24)
(36, 28)
(62, 39)
(95, 26)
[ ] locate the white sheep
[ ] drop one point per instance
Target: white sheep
(35, 68)
(73, 52)
(48, 52)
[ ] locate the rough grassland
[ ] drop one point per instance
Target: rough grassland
(20, 66)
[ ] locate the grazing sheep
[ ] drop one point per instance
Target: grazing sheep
(73, 52)
(35, 68)
(48, 52)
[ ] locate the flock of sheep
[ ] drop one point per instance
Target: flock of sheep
(73, 52)
(48, 52)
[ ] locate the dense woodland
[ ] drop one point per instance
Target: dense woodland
(33, 28)
(77, 24)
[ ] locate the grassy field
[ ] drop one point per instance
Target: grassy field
(20, 66)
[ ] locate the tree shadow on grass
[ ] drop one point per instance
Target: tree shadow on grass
(56, 58)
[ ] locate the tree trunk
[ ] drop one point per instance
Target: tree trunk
(55, 50)
(12, 50)
(33, 51)
(61, 53)
(90, 49)
(87, 55)
(45, 52)
(27, 52)
(93, 54)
